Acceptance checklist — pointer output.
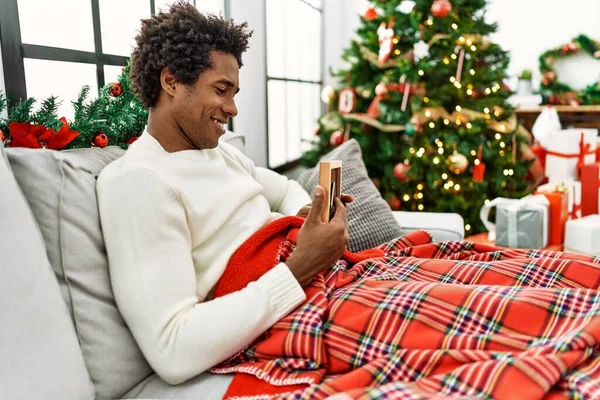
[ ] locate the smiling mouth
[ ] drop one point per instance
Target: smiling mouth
(220, 124)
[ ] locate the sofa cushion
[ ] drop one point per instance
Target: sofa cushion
(39, 353)
(61, 190)
(370, 218)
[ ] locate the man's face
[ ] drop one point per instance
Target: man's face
(203, 109)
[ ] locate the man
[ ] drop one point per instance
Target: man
(179, 203)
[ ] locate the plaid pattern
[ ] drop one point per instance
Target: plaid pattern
(452, 319)
(371, 221)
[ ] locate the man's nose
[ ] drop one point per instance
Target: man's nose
(230, 108)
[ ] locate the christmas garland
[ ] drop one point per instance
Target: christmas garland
(115, 118)
(433, 114)
(557, 92)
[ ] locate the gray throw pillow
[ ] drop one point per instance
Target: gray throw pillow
(60, 187)
(370, 218)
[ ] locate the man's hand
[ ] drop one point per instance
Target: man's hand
(346, 199)
(319, 244)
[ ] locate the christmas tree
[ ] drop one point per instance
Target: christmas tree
(423, 94)
(115, 117)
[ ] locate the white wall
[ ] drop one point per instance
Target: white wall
(527, 28)
(341, 19)
(252, 98)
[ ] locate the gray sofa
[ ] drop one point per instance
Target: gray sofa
(62, 336)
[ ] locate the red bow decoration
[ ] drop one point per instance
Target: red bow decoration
(38, 136)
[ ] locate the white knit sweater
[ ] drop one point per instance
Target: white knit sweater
(171, 221)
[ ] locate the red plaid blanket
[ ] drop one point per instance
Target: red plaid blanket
(426, 320)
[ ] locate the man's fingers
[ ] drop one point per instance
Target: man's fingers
(347, 198)
(317, 204)
(340, 210)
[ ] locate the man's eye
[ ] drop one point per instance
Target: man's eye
(221, 91)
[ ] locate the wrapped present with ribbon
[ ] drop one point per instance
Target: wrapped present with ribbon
(567, 151)
(574, 195)
(558, 197)
(590, 188)
(520, 223)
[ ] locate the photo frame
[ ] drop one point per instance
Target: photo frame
(330, 178)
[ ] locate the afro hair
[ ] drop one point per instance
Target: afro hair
(181, 40)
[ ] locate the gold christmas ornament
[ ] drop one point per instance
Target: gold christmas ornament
(331, 122)
(458, 162)
(328, 94)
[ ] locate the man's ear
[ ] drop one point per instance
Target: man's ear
(168, 81)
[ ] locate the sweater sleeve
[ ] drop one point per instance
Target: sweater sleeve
(154, 281)
(284, 195)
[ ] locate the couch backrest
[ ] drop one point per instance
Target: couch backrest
(39, 353)
(59, 188)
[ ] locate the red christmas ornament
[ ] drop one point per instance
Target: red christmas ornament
(394, 202)
(370, 14)
(441, 8)
(100, 140)
(336, 138)
(2, 136)
(479, 168)
(400, 171)
(116, 89)
(317, 130)
(132, 139)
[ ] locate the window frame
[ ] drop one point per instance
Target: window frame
(290, 164)
(14, 51)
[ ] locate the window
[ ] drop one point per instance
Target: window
(294, 32)
(46, 50)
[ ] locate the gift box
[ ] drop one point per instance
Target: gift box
(558, 197)
(521, 223)
(567, 151)
(574, 195)
(583, 235)
(590, 185)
